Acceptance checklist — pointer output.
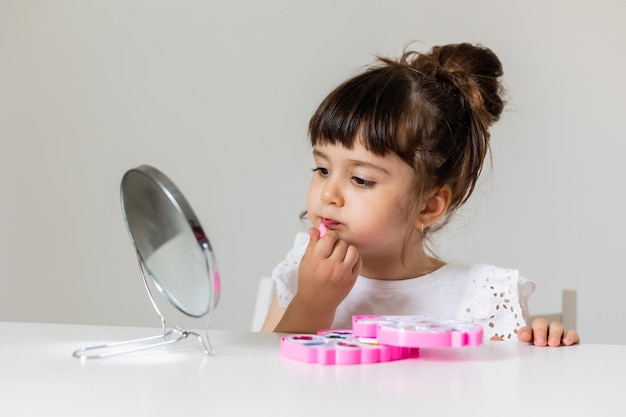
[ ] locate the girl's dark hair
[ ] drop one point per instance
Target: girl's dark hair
(433, 110)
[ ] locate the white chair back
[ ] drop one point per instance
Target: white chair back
(265, 295)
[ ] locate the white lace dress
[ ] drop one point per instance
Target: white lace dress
(494, 297)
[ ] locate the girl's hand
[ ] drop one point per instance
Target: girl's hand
(542, 333)
(327, 272)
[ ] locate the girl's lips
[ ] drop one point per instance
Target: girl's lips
(329, 223)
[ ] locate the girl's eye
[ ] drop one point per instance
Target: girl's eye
(322, 171)
(363, 183)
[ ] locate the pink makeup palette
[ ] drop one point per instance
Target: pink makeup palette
(376, 338)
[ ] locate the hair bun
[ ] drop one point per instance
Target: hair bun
(473, 69)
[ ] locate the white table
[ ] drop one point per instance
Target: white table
(247, 376)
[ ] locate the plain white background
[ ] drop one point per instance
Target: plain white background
(217, 94)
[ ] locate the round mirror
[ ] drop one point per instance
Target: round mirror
(171, 244)
(173, 253)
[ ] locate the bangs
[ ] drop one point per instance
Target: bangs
(371, 108)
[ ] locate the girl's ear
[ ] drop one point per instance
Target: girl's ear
(435, 207)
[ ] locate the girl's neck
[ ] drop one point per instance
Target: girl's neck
(394, 269)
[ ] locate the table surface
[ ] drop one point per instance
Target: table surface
(248, 376)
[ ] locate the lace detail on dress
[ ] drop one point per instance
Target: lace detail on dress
(496, 303)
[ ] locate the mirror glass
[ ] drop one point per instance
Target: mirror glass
(170, 242)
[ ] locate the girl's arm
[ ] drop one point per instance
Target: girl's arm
(301, 318)
(294, 319)
(274, 314)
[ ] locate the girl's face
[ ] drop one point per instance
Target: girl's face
(363, 197)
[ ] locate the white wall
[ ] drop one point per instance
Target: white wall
(217, 94)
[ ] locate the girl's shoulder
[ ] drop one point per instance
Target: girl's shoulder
(301, 240)
(495, 283)
(483, 273)
(300, 243)
(488, 275)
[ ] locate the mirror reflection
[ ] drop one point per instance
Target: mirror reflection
(170, 241)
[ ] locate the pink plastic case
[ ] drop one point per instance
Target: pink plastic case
(418, 331)
(332, 347)
(375, 338)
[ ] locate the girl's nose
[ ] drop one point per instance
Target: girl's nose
(331, 193)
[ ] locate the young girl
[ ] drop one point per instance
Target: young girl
(397, 149)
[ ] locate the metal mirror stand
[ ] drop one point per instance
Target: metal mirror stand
(167, 337)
